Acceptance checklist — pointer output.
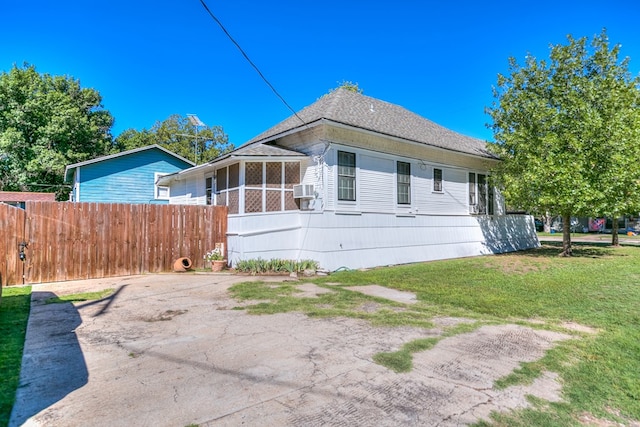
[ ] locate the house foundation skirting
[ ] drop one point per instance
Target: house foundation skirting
(372, 240)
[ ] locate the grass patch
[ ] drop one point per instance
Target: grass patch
(402, 360)
(281, 298)
(80, 297)
(597, 287)
(14, 314)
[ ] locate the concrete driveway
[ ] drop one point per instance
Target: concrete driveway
(171, 350)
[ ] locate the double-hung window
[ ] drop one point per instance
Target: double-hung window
(481, 197)
(208, 183)
(473, 194)
(404, 183)
(437, 180)
(346, 176)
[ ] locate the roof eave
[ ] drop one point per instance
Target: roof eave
(337, 123)
(220, 162)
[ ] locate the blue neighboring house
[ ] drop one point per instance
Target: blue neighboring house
(126, 177)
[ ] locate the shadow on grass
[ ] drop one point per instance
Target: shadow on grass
(580, 250)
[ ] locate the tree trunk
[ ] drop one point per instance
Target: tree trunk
(566, 235)
(547, 222)
(615, 241)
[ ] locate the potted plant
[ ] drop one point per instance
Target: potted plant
(217, 259)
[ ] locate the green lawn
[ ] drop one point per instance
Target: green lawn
(598, 288)
(14, 313)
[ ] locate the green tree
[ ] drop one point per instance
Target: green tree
(178, 134)
(567, 132)
(46, 123)
(350, 86)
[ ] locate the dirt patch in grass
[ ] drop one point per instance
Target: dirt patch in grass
(386, 293)
(369, 307)
(513, 264)
(310, 290)
(573, 326)
(446, 322)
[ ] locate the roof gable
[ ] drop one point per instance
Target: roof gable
(356, 110)
(69, 169)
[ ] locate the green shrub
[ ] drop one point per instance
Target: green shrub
(275, 265)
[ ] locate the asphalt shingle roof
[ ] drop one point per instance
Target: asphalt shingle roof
(364, 112)
(264, 150)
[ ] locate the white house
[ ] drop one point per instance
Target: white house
(352, 181)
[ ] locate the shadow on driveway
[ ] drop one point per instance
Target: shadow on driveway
(52, 362)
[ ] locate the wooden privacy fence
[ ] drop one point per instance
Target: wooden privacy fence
(68, 241)
(11, 267)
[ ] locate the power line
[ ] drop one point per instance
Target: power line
(255, 67)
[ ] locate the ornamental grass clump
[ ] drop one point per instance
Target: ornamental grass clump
(274, 266)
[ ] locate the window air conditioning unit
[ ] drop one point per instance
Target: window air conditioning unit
(303, 191)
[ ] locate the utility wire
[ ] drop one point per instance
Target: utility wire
(250, 61)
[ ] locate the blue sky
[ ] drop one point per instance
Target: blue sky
(151, 59)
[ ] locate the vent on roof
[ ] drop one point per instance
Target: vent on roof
(303, 191)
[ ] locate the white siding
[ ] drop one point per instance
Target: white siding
(369, 240)
(189, 191)
(375, 184)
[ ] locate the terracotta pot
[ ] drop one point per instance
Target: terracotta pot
(218, 265)
(182, 264)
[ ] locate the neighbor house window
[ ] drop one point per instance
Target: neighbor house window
(161, 191)
(346, 176)
(437, 180)
(404, 183)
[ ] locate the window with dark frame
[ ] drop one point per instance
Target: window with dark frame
(472, 189)
(221, 179)
(209, 190)
(346, 176)
(437, 180)
(404, 183)
(481, 194)
(490, 197)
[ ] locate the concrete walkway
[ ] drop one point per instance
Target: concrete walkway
(174, 350)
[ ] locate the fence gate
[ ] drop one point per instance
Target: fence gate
(12, 241)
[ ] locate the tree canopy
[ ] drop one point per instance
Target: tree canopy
(567, 132)
(46, 123)
(178, 134)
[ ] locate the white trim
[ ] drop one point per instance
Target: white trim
(76, 185)
(157, 188)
